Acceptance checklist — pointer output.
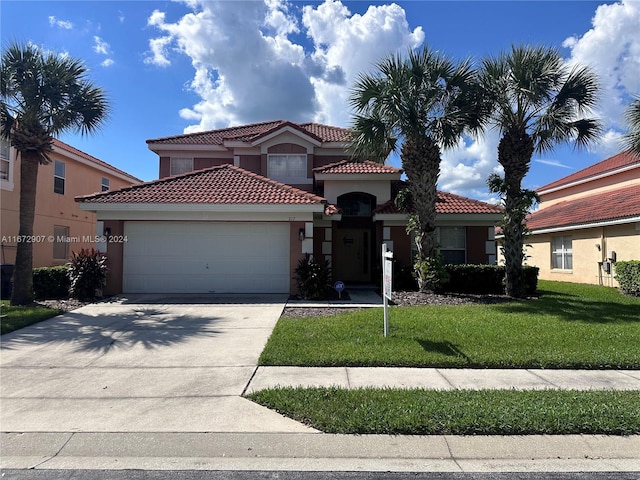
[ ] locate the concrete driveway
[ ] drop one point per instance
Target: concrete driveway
(142, 364)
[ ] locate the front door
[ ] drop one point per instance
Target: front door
(352, 262)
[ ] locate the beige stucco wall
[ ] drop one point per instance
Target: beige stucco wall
(381, 189)
(623, 239)
(53, 209)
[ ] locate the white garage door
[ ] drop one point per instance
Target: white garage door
(206, 257)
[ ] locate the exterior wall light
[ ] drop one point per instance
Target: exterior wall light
(301, 234)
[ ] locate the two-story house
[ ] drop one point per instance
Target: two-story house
(586, 221)
(236, 209)
(60, 226)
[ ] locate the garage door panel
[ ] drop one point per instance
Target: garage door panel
(201, 257)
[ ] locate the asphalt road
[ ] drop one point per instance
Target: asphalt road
(10, 474)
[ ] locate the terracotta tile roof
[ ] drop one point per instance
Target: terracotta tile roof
(610, 164)
(449, 203)
(224, 184)
(249, 133)
(356, 167)
(617, 204)
(64, 146)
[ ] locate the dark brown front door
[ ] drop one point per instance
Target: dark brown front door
(352, 262)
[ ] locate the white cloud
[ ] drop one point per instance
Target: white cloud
(552, 163)
(103, 48)
(248, 68)
(100, 46)
(612, 48)
(64, 24)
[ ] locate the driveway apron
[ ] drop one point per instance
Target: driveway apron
(142, 363)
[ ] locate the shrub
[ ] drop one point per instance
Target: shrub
(628, 276)
(312, 278)
(51, 283)
(87, 273)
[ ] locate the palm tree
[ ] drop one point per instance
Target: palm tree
(42, 95)
(537, 101)
(422, 102)
(632, 117)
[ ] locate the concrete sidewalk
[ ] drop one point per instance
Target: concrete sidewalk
(444, 378)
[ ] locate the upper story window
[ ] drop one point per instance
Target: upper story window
(180, 165)
(104, 184)
(287, 166)
(5, 159)
(356, 204)
(58, 176)
(561, 253)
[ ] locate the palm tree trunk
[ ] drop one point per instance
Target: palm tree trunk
(514, 154)
(421, 163)
(22, 293)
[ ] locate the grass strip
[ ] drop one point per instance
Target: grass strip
(16, 317)
(568, 326)
(457, 412)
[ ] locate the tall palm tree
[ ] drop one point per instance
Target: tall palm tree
(423, 102)
(632, 117)
(537, 101)
(41, 95)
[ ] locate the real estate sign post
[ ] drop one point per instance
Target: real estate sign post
(387, 275)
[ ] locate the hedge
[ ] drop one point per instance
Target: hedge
(50, 283)
(628, 276)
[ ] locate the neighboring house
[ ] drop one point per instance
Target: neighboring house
(60, 226)
(586, 221)
(236, 209)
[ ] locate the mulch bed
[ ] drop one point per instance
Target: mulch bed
(401, 298)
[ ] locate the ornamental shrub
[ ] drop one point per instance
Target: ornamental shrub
(51, 283)
(628, 276)
(313, 278)
(87, 274)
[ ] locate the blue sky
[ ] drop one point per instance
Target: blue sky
(173, 67)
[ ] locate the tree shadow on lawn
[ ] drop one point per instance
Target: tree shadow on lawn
(147, 326)
(574, 308)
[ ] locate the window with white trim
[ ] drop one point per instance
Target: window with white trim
(104, 184)
(286, 166)
(561, 253)
(60, 242)
(5, 159)
(59, 169)
(452, 243)
(179, 165)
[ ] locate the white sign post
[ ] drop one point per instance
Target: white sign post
(387, 275)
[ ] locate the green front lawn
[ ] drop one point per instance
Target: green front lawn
(568, 326)
(13, 318)
(458, 412)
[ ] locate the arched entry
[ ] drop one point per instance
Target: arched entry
(353, 244)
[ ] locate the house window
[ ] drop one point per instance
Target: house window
(561, 253)
(58, 177)
(179, 165)
(287, 166)
(105, 184)
(60, 242)
(356, 204)
(452, 242)
(5, 159)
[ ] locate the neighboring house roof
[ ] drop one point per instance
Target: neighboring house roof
(249, 133)
(449, 203)
(355, 167)
(620, 204)
(609, 166)
(57, 144)
(226, 184)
